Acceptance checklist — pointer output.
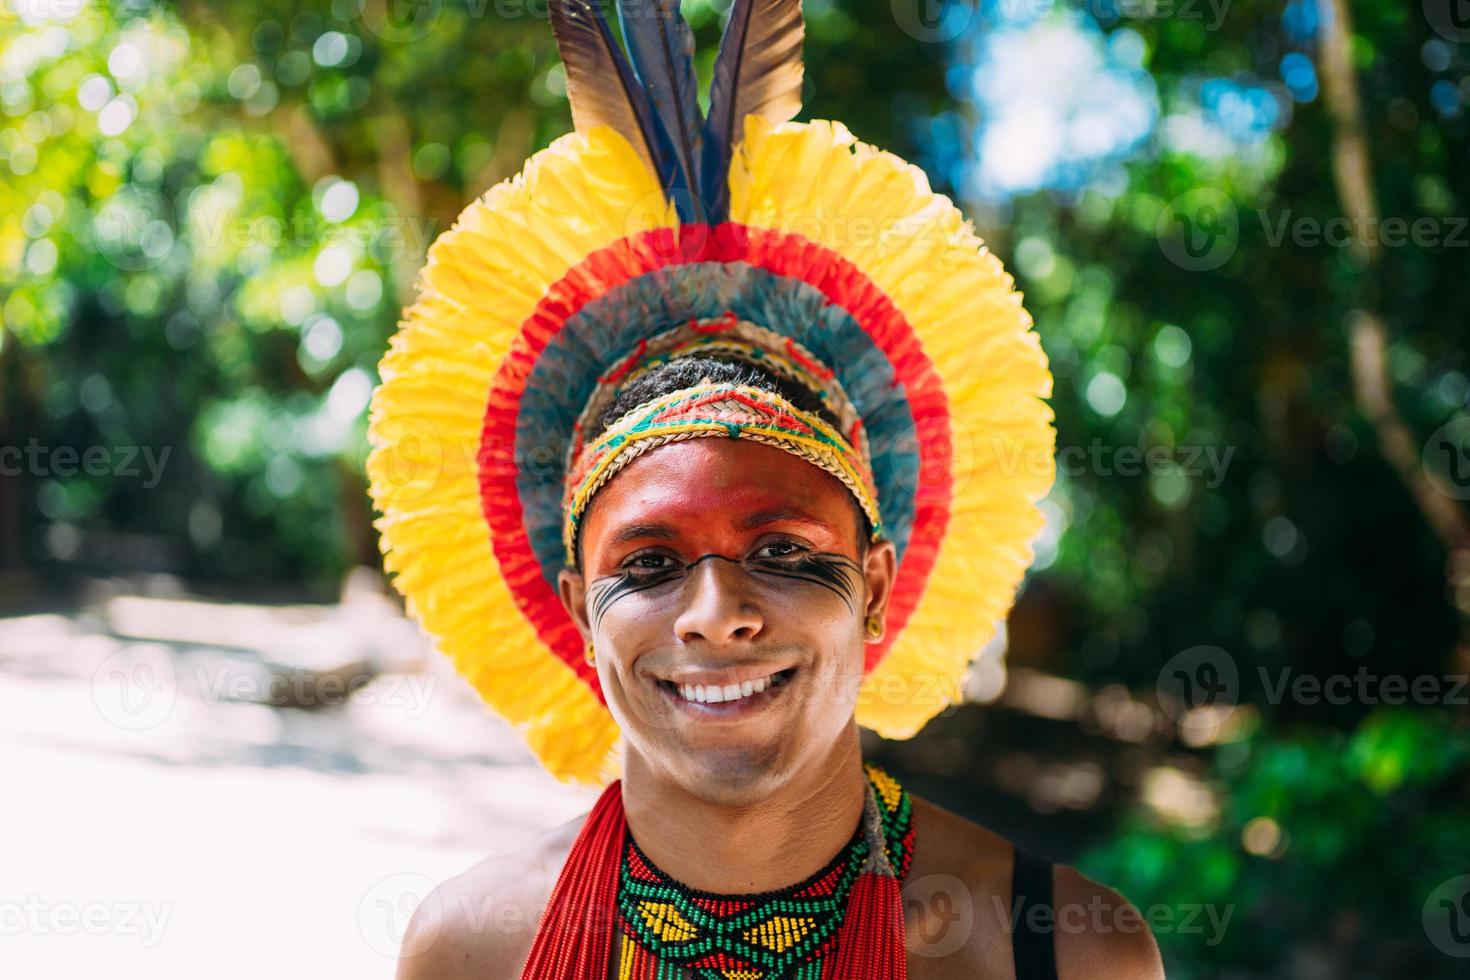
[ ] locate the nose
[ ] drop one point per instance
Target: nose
(716, 608)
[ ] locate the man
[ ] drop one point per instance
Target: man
(697, 571)
(745, 476)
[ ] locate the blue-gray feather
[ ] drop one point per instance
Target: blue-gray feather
(601, 85)
(758, 72)
(661, 47)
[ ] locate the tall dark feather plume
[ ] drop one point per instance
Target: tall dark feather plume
(661, 47)
(758, 72)
(601, 85)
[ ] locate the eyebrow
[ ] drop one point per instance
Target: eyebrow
(776, 515)
(630, 532)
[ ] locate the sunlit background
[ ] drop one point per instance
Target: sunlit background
(1240, 227)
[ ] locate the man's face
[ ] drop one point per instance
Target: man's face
(726, 565)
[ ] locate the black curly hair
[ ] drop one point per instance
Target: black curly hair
(685, 372)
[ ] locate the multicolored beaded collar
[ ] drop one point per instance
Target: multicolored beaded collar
(672, 932)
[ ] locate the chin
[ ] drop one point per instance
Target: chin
(731, 774)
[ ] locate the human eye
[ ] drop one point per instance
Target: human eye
(777, 549)
(648, 563)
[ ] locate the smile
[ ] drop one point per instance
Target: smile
(732, 694)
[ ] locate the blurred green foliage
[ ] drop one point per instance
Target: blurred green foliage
(1328, 845)
(210, 216)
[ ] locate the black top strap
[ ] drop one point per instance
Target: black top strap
(1034, 941)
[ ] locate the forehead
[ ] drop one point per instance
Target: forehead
(719, 483)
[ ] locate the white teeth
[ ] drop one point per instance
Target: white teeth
(715, 694)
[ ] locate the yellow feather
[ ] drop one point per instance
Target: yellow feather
(879, 212)
(483, 278)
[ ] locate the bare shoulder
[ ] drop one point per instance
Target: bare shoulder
(480, 924)
(1099, 932)
(960, 917)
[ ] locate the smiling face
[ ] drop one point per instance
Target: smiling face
(725, 587)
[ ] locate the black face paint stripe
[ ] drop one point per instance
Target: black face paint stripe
(690, 567)
(606, 591)
(827, 569)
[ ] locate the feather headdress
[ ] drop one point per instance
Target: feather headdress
(653, 215)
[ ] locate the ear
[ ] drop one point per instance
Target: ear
(880, 568)
(572, 589)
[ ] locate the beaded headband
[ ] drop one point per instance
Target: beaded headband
(716, 410)
(726, 337)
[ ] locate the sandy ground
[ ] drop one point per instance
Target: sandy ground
(159, 823)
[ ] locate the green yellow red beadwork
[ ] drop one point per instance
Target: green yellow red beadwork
(672, 932)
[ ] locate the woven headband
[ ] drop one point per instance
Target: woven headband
(716, 410)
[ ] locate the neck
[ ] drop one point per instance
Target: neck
(756, 846)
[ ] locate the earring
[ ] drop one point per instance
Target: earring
(590, 656)
(874, 627)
